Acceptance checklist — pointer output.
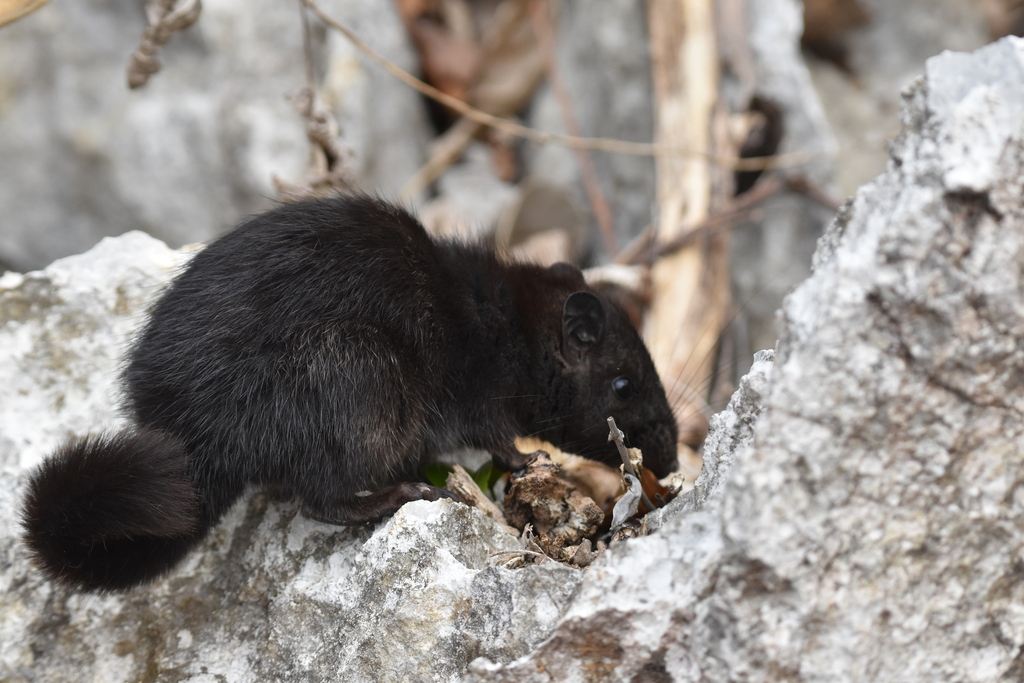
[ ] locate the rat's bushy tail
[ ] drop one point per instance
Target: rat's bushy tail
(108, 512)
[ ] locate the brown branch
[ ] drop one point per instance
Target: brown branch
(739, 208)
(646, 252)
(444, 152)
(166, 17)
(803, 185)
(327, 171)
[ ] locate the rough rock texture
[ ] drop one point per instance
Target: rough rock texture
(271, 595)
(81, 156)
(873, 530)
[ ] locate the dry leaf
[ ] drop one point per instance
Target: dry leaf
(595, 480)
(512, 66)
(826, 19)
(483, 53)
(443, 35)
(628, 505)
(543, 225)
(561, 516)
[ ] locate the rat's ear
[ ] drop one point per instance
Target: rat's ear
(582, 325)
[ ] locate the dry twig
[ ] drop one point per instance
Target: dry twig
(166, 17)
(646, 252)
(522, 551)
(615, 434)
(468, 492)
(12, 10)
(328, 170)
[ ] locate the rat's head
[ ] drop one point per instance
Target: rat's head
(607, 372)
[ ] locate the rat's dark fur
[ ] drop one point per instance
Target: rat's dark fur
(331, 347)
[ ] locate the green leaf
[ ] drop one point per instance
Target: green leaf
(436, 473)
(486, 477)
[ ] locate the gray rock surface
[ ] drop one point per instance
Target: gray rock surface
(184, 157)
(730, 435)
(873, 530)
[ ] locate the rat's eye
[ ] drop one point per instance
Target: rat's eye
(622, 387)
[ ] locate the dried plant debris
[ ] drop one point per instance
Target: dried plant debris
(585, 553)
(595, 480)
(445, 39)
(543, 225)
(481, 53)
(484, 53)
(551, 499)
(561, 515)
(629, 503)
(765, 129)
(1003, 17)
(166, 17)
(826, 23)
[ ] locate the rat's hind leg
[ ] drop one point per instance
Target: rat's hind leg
(365, 402)
(373, 506)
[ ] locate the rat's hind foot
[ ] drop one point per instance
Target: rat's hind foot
(372, 506)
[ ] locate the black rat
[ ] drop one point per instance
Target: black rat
(331, 347)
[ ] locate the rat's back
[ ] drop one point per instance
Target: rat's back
(297, 350)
